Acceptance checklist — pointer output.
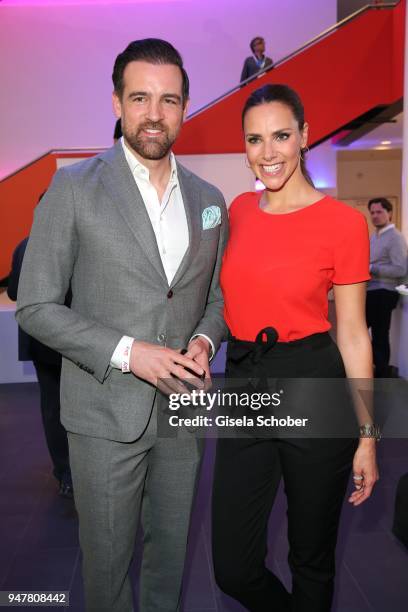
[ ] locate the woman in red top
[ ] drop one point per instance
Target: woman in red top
(288, 247)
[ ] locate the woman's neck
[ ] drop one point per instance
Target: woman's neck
(292, 196)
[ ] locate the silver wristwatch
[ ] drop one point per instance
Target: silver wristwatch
(370, 431)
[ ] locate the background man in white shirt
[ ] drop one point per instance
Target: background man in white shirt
(388, 265)
(140, 239)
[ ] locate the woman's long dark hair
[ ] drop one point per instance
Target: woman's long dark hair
(285, 95)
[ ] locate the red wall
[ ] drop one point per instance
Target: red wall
(19, 195)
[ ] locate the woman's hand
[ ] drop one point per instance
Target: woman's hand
(365, 471)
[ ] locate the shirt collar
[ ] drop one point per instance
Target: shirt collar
(385, 229)
(140, 171)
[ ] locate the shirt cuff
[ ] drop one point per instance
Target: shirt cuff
(121, 355)
(212, 347)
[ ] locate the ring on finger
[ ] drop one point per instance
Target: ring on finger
(357, 477)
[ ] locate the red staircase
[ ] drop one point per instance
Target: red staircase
(345, 74)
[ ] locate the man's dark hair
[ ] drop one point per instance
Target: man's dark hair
(154, 51)
(254, 41)
(287, 96)
(386, 204)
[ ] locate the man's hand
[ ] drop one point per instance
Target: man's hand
(164, 367)
(199, 350)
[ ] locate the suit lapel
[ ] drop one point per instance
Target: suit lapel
(192, 206)
(122, 188)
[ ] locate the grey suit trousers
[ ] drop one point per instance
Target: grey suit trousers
(117, 485)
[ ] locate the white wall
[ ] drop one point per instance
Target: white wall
(57, 59)
(228, 172)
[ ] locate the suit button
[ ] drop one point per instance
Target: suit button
(161, 337)
(170, 294)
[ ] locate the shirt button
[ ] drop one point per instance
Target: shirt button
(170, 294)
(161, 337)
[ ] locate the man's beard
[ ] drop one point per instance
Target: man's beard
(154, 148)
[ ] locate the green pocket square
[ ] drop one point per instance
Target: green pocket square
(211, 217)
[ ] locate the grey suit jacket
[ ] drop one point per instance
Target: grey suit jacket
(92, 231)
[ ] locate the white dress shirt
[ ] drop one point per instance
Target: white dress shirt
(386, 228)
(168, 217)
(169, 223)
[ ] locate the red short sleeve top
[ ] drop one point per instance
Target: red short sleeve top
(278, 268)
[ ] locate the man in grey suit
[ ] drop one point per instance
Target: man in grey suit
(140, 240)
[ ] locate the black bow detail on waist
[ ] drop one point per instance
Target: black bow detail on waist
(264, 341)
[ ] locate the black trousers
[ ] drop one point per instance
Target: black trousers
(379, 306)
(247, 474)
(400, 524)
(49, 376)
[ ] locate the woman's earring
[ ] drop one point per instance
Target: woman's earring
(303, 151)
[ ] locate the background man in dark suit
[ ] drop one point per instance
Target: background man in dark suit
(47, 364)
(256, 62)
(140, 240)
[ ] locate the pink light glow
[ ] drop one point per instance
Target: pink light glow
(16, 3)
(57, 82)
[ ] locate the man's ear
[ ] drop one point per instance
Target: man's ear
(185, 109)
(116, 105)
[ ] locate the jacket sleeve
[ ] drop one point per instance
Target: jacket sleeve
(14, 275)
(397, 266)
(244, 72)
(44, 282)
